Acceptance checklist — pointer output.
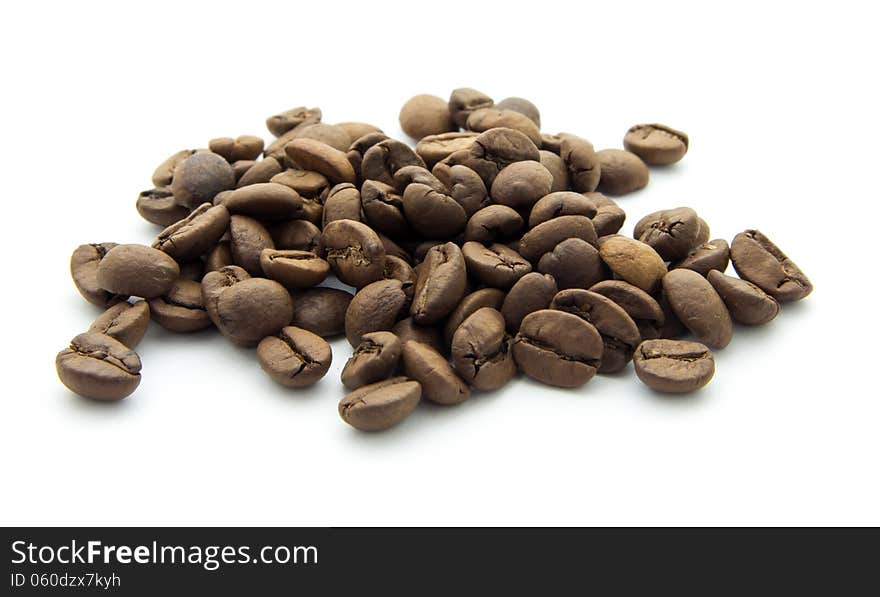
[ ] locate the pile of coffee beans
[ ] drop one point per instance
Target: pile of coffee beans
(488, 249)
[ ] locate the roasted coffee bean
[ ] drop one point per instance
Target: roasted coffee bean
(358, 148)
(408, 330)
(263, 171)
(392, 248)
(385, 158)
(193, 236)
(420, 250)
(633, 261)
(553, 143)
(192, 270)
(670, 232)
(485, 297)
(558, 348)
(267, 200)
(99, 367)
(706, 257)
(495, 223)
(468, 189)
(354, 251)
(545, 236)
(747, 304)
(435, 148)
(240, 168)
(481, 350)
(342, 203)
(644, 310)
(220, 255)
(84, 270)
(245, 147)
(674, 366)
(440, 383)
(307, 183)
(485, 119)
(297, 234)
(432, 214)
(137, 270)
(703, 236)
(523, 106)
(465, 100)
(672, 327)
(252, 309)
(698, 306)
(294, 357)
(293, 268)
(375, 308)
(164, 173)
(496, 265)
(383, 208)
(321, 310)
(126, 322)
(333, 136)
(656, 144)
(313, 211)
(398, 269)
(248, 238)
(557, 169)
(374, 359)
(158, 206)
(416, 174)
(380, 405)
(609, 217)
(356, 130)
(442, 170)
(561, 203)
(199, 177)
(520, 185)
(290, 119)
(424, 115)
(213, 285)
(181, 308)
(620, 335)
(582, 162)
(573, 263)
(496, 149)
(621, 172)
(756, 259)
(309, 154)
(531, 293)
(441, 282)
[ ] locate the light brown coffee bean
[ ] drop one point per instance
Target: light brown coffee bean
(99, 367)
(374, 359)
(354, 251)
(698, 306)
(441, 282)
(674, 366)
(756, 259)
(621, 172)
(293, 268)
(84, 270)
(424, 115)
(181, 308)
(321, 310)
(747, 304)
(633, 261)
(440, 383)
(376, 307)
(557, 348)
(193, 236)
(137, 270)
(294, 357)
(126, 322)
(481, 350)
(381, 405)
(656, 144)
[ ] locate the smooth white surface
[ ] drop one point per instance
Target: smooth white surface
(780, 103)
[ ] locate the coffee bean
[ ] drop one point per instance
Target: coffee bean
(557, 348)
(239, 169)
(698, 307)
(199, 177)
(297, 234)
(435, 148)
(392, 248)
(290, 119)
(137, 270)
(441, 282)
(356, 130)
(582, 162)
(263, 171)
(383, 208)
(374, 359)
(573, 263)
(307, 183)
(416, 174)
(670, 232)
(385, 158)
(440, 383)
(358, 148)
(268, 200)
(432, 214)
(408, 330)
(321, 310)
(380, 405)
(674, 366)
(192, 270)
(495, 223)
(703, 236)
(609, 217)
(481, 350)
(521, 184)
(343, 203)
(496, 149)
(656, 144)
(465, 100)
(485, 119)
(125, 322)
(546, 235)
(621, 172)
(193, 236)
(485, 297)
(468, 189)
(747, 304)
(756, 259)
(531, 293)
(620, 335)
(294, 357)
(293, 268)
(276, 149)
(245, 147)
(706, 257)
(84, 264)
(309, 154)
(672, 327)
(354, 251)
(332, 135)
(99, 367)
(398, 269)
(181, 308)
(376, 307)
(158, 206)
(633, 261)
(523, 106)
(424, 115)
(561, 203)
(496, 265)
(213, 285)
(557, 169)
(248, 238)
(164, 173)
(220, 255)
(251, 309)
(644, 310)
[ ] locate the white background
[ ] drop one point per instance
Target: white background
(780, 102)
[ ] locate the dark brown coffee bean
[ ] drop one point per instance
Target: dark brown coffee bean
(199, 177)
(656, 144)
(181, 308)
(309, 154)
(398, 269)
(374, 359)
(557, 348)
(343, 203)
(531, 293)
(582, 162)
(496, 265)
(561, 203)
(442, 170)
(698, 307)
(297, 234)
(381, 405)
(158, 206)
(294, 357)
(441, 282)
(557, 169)
(496, 149)
(440, 383)
(609, 217)
(408, 330)
(137, 270)
(126, 322)
(485, 119)
(674, 366)
(644, 310)
(213, 285)
(383, 208)
(392, 248)
(432, 214)
(321, 310)
(252, 309)
(293, 268)
(248, 238)
(633, 261)
(485, 297)
(670, 232)
(416, 174)
(468, 189)
(267, 200)
(481, 350)
(193, 236)
(523, 106)
(307, 183)
(263, 171)
(424, 115)
(332, 135)
(375, 308)
(706, 257)
(358, 148)
(164, 173)
(545, 236)
(520, 185)
(354, 251)
(622, 172)
(356, 130)
(290, 119)
(385, 158)
(620, 335)
(435, 148)
(84, 270)
(747, 304)
(313, 211)
(99, 367)
(245, 147)
(495, 223)
(573, 263)
(465, 100)
(756, 259)
(220, 255)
